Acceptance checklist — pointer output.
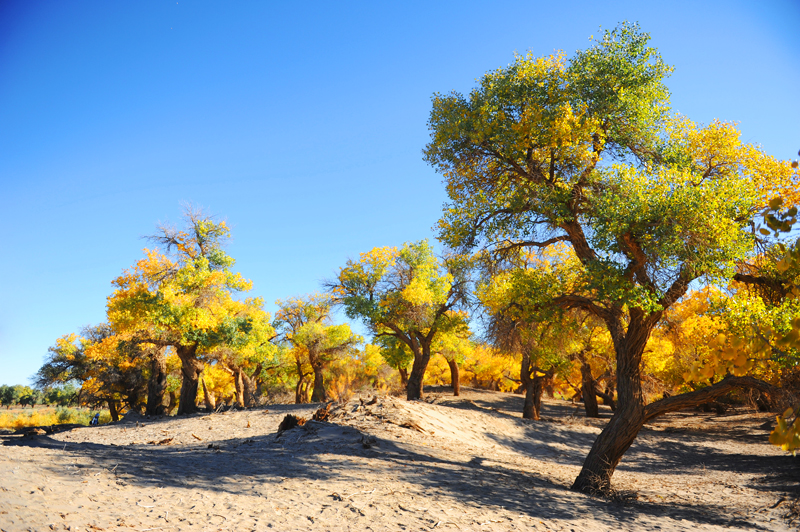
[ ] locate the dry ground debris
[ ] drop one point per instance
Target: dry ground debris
(466, 463)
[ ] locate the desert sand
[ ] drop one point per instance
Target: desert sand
(467, 463)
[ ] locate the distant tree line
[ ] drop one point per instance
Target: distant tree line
(18, 394)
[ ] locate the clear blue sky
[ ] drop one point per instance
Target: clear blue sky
(302, 124)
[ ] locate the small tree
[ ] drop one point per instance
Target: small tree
(306, 324)
(453, 347)
(9, 395)
(408, 294)
(397, 355)
(107, 373)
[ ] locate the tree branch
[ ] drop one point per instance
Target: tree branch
(765, 282)
(698, 397)
(573, 301)
(530, 244)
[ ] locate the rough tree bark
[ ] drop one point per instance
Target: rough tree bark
(529, 410)
(403, 377)
(422, 355)
(208, 397)
(190, 370)
(251, 385)
(299, 391)
(112, 409)
(157, 385)
(534, 386)
(632, 412)
(318, 394)
(588, 387)
(617, 436)
(239, 387)
(415, 378)
(455, 382)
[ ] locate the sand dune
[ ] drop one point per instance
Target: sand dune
(467, 463)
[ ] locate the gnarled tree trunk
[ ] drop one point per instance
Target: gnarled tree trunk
(298, 391)
(534, 385)
(632, 413)
(318, 394)
(422, 355)
(251, 387)
(403, 377)
(238, 385)
(157, 385)
(617, 436)
(190, 370)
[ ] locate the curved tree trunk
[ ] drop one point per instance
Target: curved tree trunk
(190, 370)
(422, 355)
(454, 378)
(251, 387)
(298, 390)
(628, 419)
(157, 385)
(208, 397)
(403, 377)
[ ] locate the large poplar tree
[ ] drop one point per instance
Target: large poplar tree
(586, 152)
(183, 296)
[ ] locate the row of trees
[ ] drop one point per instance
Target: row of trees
(608, 245)
(18, 394)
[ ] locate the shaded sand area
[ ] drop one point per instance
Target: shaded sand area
(468, 463)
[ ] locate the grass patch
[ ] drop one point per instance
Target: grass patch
(39, 417)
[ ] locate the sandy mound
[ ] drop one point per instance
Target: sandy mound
(467, 463)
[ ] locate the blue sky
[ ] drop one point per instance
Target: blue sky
(301, 124)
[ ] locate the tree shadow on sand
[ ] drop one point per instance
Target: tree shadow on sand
(331, 452)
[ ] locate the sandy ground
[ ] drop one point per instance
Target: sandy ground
(468, 463)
